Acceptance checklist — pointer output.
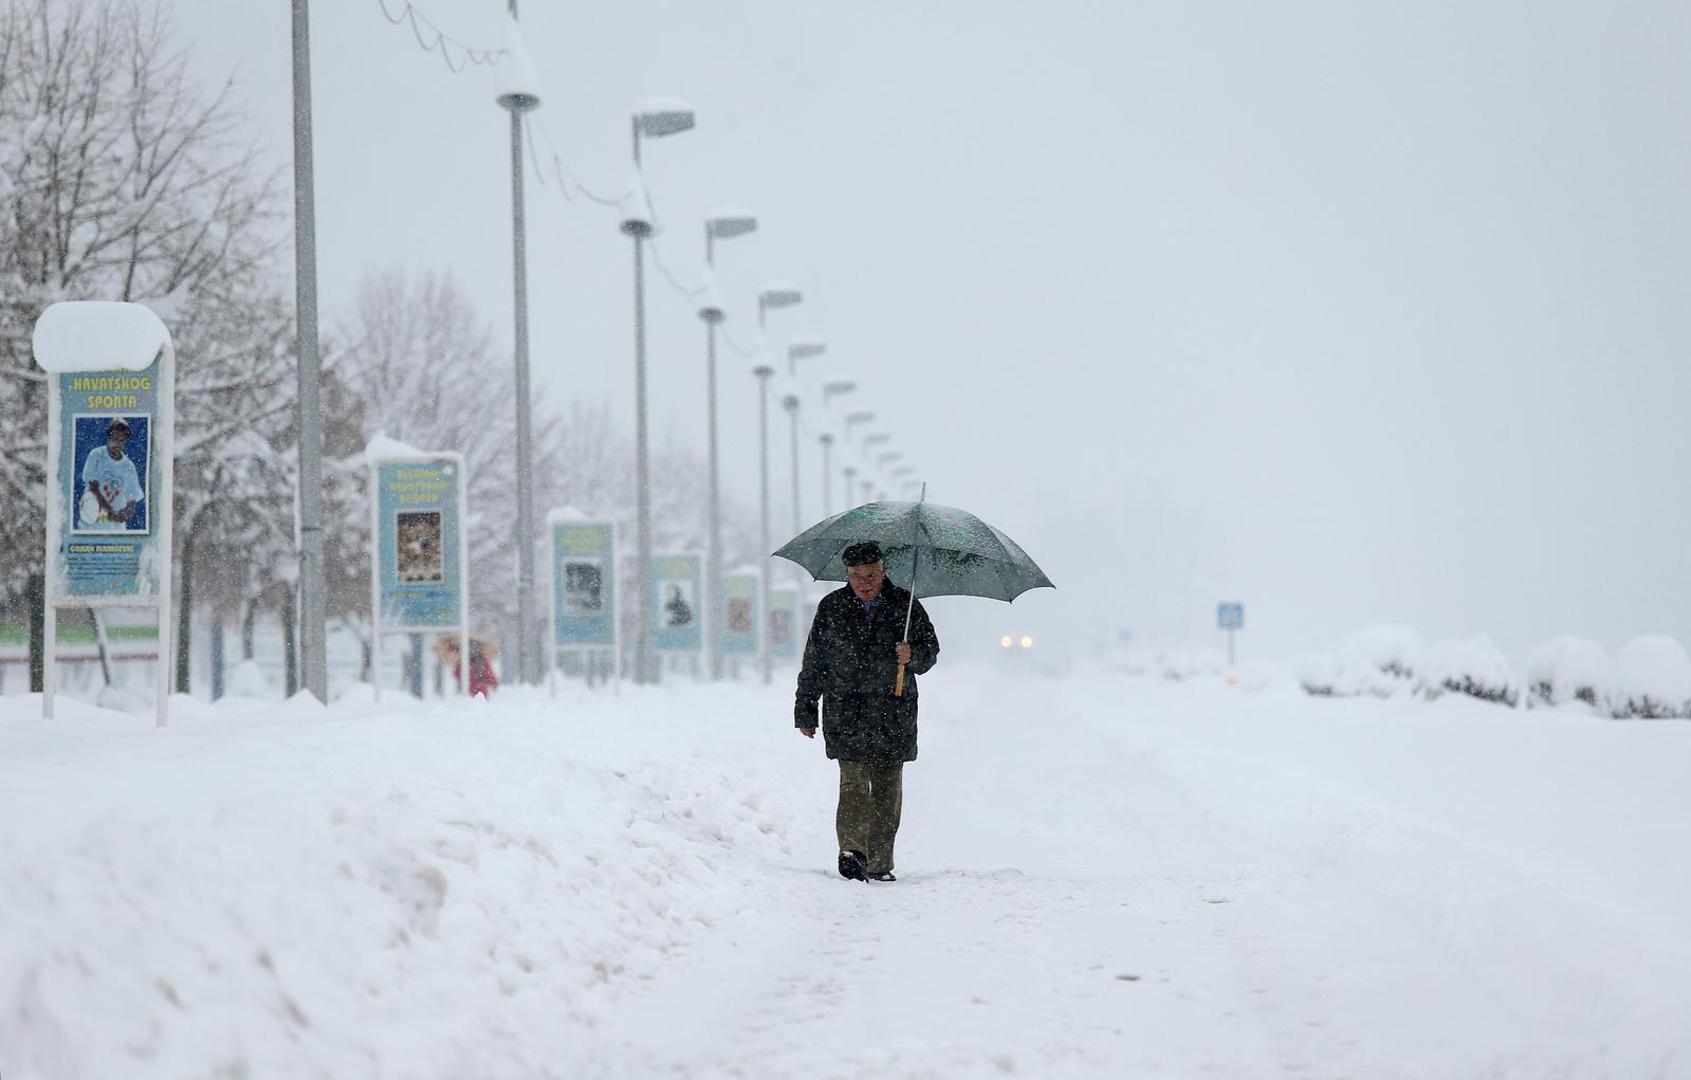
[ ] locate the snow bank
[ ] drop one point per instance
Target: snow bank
(1566, 670)
(1471, 666)
(444, 891)
(1379, 660)
(97, 335)
(247, 680)
(1651, 679)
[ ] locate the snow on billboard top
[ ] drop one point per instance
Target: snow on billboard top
(381, 448)
(97, 335)
(567, 515)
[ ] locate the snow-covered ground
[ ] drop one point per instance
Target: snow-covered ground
(1099, 876)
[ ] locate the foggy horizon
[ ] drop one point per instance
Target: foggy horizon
(1352, 316)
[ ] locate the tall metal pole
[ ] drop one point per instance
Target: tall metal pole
(763, 373)
(791, 404)
(528, 662)
(643, 667)
(313, 634)
(850, 485)
(827, 474)
(713, 569)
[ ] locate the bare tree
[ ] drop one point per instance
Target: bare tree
(121, 180)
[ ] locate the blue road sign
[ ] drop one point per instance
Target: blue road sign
(1230, 616)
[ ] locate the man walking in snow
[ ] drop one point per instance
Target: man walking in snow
(851, 660)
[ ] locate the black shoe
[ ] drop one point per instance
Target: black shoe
(854, 865)
(884, 875)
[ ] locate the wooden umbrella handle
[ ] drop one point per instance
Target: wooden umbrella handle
(898, 687)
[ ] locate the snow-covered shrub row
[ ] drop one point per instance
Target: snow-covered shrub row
(1318, 673)
(1193, 663)
(1651, 679)
(1471, 666)
(1565, 670)
(1380, 660)
(1254, 675)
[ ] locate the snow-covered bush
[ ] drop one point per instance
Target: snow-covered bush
(1381, 660)
(1564, 670)
(1651, 679)
(1183, 664)
(1471, 666)
(1140, 663)
(1255, 675)
(1318, 673)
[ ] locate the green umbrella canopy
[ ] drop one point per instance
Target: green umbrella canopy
(952, 552)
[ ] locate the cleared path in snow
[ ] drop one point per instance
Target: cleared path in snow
(1108, 877)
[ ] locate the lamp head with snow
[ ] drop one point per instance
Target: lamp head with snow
(725, 224)
(859, 418)
(790, 403)
(779, 294)
(876, 439)
(834, 389)
(518, 85)
(806, 348)
(659, 118)
(891, 455)
(763, 371)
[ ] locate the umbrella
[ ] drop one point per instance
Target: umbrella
(446, 648)
(939, 550)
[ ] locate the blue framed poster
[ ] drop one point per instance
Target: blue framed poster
(108, 477)
(783, 625)
(678, 604)
(584, 585)
(418, 552)
(739, 614)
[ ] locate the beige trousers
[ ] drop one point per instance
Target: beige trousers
(871, 800)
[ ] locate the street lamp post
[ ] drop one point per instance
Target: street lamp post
(313, 633)
(850, 484)
(799, 349)
(763, 372)
(723, 224)
(653, 121)
(519, 94)
(830, 390)
(803, 349)
(776, 294)
(791, 404)
(853, 419)
(827, 441)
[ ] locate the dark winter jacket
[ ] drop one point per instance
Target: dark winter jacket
(850, 661)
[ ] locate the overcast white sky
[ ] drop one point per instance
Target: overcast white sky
(1355, 312)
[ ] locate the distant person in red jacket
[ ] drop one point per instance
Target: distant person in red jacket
(482, 679)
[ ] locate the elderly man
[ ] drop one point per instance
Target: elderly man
(851, 659)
